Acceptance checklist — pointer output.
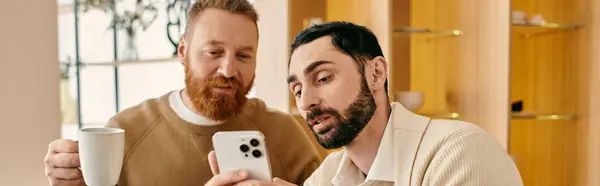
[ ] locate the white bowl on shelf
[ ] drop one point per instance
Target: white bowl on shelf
(411, 100)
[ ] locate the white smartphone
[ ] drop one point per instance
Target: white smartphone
(243, 150)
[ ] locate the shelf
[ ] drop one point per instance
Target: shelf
(453, 115)
(543, 116)
(549, 28)
(549, 25)
(427, 31)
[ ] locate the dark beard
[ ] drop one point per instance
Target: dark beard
(210, 104)
(350, 124)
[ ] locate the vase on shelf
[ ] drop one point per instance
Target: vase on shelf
(130, 53)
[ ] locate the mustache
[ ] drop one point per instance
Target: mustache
(223, 81)
(316, 112)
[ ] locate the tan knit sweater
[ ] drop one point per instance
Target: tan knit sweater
(162, 149)
(429, 152)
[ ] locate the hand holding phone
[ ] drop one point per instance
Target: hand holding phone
(243, 150)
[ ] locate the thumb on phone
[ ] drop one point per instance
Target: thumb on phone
(212, 160)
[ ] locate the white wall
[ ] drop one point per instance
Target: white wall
(29, 79)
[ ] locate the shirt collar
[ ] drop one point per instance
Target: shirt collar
(382, 168)
(383, 165)
(347, 173)
(176, 103)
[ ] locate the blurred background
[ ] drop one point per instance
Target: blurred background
(527, 71)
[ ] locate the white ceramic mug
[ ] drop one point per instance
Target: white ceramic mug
(101, 153)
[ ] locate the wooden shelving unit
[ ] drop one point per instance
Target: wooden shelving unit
(547, 73)
(478, 62)
(514, 115)
(412, 30)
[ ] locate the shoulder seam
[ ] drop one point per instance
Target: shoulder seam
(143, 136)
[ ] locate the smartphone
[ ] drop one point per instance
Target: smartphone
(243, 150)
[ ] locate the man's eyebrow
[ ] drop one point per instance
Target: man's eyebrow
(249, 48)
(217, 42)
(311, 67)
(314, 65)
(291, 79)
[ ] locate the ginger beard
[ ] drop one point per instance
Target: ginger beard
(347, 125)
(213, 105)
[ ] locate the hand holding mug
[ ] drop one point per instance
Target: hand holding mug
(62, 163)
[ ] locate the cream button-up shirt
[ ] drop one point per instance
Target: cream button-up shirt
(381, 172)
(418, 151)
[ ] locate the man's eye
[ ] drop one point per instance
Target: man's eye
(244, 56)
(213, 52)
(298, 93)
(324, 79)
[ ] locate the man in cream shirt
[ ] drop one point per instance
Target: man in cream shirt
(338, 76)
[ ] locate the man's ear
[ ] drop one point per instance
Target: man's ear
(182, 49)
(379, 65)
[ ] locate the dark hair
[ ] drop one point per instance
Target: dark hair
(354, 40)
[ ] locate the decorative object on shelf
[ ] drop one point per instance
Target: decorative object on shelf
(130, 21)
(312, 21)
(537, 20)
(452, 32)
(64, 69)
(520, 19)
(177, 18)
(411, 100)
(96, 4)
(517, 106)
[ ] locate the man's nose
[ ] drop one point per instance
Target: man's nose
(228, 67)
(308, 101)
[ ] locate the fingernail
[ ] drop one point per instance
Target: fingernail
(242, 173)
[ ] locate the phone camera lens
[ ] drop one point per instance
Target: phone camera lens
(244, 148)
(254, 142)
(256, 153)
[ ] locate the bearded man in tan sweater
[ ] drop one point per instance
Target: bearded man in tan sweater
(338, 75)
(167, 139)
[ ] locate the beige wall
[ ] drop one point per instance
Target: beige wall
(593, 124)
(485, 64)
(273, 54)
(29, 105)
